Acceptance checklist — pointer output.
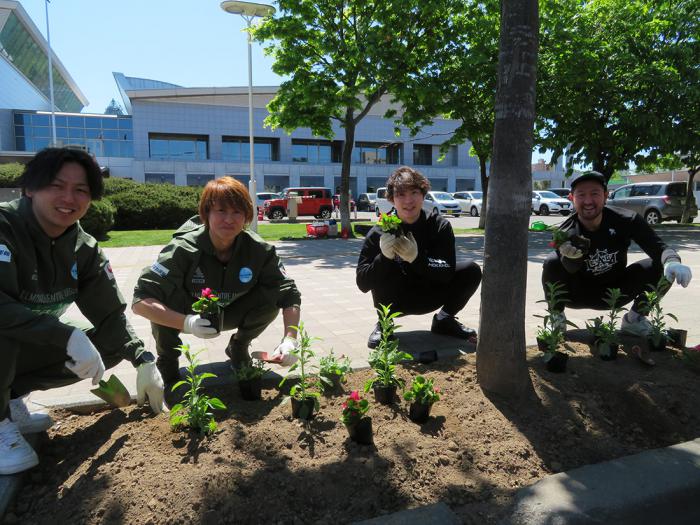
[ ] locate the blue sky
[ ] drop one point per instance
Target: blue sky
(190, 43)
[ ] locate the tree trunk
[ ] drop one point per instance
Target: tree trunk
(484, 190)
(501, 361)
(690, 195)
(346, 161)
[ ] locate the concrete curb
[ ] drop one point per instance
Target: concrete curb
(652, 487)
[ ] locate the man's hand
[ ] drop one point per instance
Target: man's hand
(149, 384)
(199, 327)
(569, 251)
(675, 271)
(85, 360)
(406, 247)
(283, 352)
(386, 244)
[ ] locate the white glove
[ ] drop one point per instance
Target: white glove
(407, 247)
(149, 384)
(85, 360)
(284, 349)
(570, 251)
(678, 272)
(199, 327)
(386, 244)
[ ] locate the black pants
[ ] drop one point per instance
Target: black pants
(582, 292)
(416, 297)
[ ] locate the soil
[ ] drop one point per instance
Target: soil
(262, 466)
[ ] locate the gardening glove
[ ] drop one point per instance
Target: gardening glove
(284, 349)
(149, 384)
(199, 327)
(407, 247)
(569, 251)
(85, 360)
(386, 244)
(679, 272)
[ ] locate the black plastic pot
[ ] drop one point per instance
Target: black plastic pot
(215, 318)
(303, 408)
(541, 345)
(361, 432)
(677, 337)
(607, 352)
(418, 412)
(557, 363)
(660, 347)
(335, 387)
(250, 389)
(384, 394)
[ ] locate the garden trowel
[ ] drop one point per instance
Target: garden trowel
(113, 392)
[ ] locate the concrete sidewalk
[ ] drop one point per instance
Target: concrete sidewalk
(334, 310)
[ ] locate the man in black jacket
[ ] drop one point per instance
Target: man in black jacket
(595, 256)
(416, 271)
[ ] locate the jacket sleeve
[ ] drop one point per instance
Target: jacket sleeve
(436, 259)
(651, 243)
(167, 274)
(17, 321)
(101, 302)
(372, 265)
(275, 283)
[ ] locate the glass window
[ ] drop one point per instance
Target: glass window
(175, 146)
(93, 133)
(41, 120)
(423, 154)
(159, 148)
(62, 133)
(300, 152)
(310, 180)
(159, 178)
(61, 120)
(377, 153)
(124, 123)
(110, 134)
(75, 122)
(19, 130)
(109, 123)
(92, 122)
(314, 151)
(237, 149)
(20, 118)
(198, 180)
(76, 133)
(41, 132)
(676, 190)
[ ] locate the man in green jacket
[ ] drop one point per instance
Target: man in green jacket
(47, 263)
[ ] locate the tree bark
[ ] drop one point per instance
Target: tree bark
(484, 190)
(690, 195)
(501, 360)
(346, 161)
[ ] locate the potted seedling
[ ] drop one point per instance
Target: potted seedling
(606, 343)
(355, 419)
(303, 394)
(691, 357)
(655, 315)
(249, 376)
(390, 224)
(422, 395)
(332, 371)
(550, 335)
(207, 306)
(195, 410)
(384, 358)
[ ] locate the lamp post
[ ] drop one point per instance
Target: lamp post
(53, 106)
(249, 11)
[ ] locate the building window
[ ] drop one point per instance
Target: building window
(465, 184)
(450, 158)
(316, 151)
(423, 154)
(311, 180)
(160, 178)
(198, 180)
(377, 153)
(237, 149)
(178, 147)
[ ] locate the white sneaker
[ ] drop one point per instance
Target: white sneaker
(28, 423)
(15, 453)
(641, 327)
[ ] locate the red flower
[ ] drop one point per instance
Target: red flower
(345, 405)
(552, 244)
(355, 395)
(207, 292)
(436, 390)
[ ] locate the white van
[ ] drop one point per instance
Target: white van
(382, 205)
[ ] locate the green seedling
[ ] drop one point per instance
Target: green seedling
(390, 223)
(422, 391)
(385, 357)
(651, 306)
(605, 331)
(333, 368)
(551, 333)
(306, 387)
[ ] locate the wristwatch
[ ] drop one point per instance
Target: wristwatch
(144, 357)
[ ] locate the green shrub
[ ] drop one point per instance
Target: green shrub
(154, 206)
(99, 218)
(114, 185)
(10, 174)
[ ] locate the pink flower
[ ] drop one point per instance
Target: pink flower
(345, 405)
(355, 395)
(206, 292)
(437, 390)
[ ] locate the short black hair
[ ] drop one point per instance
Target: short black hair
(43, 168)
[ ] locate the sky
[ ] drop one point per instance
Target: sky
(190, 43)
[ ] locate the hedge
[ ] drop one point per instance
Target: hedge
(10, 174)
(99, 218)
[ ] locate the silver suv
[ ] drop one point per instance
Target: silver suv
(655, 201)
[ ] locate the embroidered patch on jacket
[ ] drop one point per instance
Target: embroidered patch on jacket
(74, 271)
(245, 274)
(198, 277)
(5, 254)
(159, 269)
(601, 261)
(109, 272)
(437, 263)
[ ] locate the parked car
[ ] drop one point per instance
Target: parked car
(316, 202)
(443, 202)
(263, 196)
(546, 202)
(655, 201)
(381, 205)
(470, 202)
(336, 202)
(366, 201)
(562, 192)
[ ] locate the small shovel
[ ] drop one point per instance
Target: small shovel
(266, 357)
(113, 392)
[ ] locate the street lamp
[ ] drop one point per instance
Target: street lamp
(53, 106)
(249, 11)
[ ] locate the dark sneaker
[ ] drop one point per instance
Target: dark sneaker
(376, 336)
(238, 353)
(452, 327)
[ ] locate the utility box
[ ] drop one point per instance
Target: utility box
(293, 206)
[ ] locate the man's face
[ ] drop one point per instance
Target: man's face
(63, 202)
(408, 203)
(589, 198)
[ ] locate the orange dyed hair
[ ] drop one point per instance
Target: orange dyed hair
(225, 191)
